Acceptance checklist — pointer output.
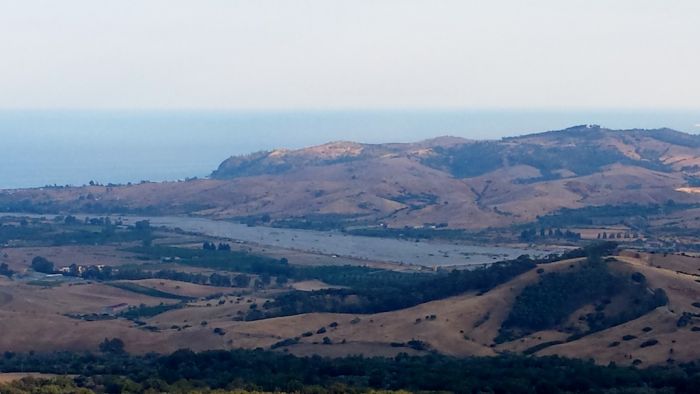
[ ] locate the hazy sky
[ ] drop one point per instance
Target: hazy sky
(327, 54)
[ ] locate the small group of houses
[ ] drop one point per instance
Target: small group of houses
(79, 269)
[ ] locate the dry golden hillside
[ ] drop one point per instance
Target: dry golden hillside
(463, 184)
(36, 318)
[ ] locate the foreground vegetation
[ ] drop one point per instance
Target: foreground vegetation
(257, 370)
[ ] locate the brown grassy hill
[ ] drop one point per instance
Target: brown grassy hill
(35, 318)
(465, 184)
(468, 324)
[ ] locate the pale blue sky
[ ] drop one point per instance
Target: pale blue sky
(325, 54)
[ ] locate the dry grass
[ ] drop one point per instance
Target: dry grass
(183, 288)
(313, 285)
(32, 319)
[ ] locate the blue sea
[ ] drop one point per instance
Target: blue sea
(74, 147)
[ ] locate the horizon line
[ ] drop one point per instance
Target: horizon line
(353, 109)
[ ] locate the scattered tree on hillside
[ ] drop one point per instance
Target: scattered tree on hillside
(41, 264)
(112, 346)
(5, 270)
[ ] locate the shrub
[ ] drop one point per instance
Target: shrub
(284, 343)
(219, 331)
(418, 345)
(649, 343)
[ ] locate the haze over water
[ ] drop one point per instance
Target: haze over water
(73, 147)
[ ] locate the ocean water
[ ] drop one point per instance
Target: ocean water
(40, 148)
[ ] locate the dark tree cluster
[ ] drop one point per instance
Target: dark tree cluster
(41, 264)
(531, 235)
(370, 293)
(113, 371)
(135, 313)
(112, 346)
(549, 302)
(220, 247)
(5, 270)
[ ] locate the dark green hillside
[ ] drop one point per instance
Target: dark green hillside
(556, 296)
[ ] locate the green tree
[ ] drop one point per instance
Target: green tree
(112, 346)
(5, 270)
(41, 264)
